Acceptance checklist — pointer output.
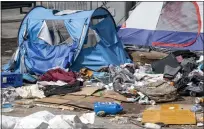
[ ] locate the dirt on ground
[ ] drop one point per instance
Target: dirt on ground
(8, 46)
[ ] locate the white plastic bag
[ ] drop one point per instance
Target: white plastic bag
(88, 118)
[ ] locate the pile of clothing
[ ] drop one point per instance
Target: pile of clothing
(58, 81)
(184, 69)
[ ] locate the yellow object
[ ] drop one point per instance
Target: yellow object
(86, 72)
(169, 114)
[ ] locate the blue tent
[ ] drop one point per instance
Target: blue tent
(41, 45)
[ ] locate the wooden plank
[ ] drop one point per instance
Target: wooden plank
(53, 100)
(56, 106)
(72, 97)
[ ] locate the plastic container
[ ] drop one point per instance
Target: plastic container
(109, 108)
(11, 79)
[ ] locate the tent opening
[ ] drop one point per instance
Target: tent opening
(92, 37)
(54, 32)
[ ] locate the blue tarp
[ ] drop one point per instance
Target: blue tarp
(36, 56)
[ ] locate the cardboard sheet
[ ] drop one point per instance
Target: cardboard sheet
(169, 114)
(87, 91)
(111, 94)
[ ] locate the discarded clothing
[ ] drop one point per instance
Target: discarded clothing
(158, 66)
(162, 93)
(101, 77)
(196, 89)
(185, 54)
(45, 83)
(59, 74)
(59, 90)
(188, 60)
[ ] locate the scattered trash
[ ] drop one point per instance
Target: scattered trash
(200, 119)
(199, 100)
(197, 108)
(7, 107)
(88, 118)
(200, 124)
(120, 120)
(152, 126)
(139, 119)
(30, 91)
(9, 95)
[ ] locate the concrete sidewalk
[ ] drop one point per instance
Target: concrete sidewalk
(11, 19)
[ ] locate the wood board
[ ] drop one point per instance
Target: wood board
(86, 91)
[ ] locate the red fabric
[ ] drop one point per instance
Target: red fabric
(59, 74)
(188, 43)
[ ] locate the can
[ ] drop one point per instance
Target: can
(199, 100)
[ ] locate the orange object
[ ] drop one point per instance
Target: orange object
(86, 72)
(172, 83)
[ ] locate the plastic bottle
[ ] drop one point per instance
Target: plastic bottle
(109, 108)
(152, 126)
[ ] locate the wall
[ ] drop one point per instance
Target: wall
(119, 10)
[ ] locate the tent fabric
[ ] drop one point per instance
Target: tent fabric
(174, 25)
(145, 38)
(38, 53)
